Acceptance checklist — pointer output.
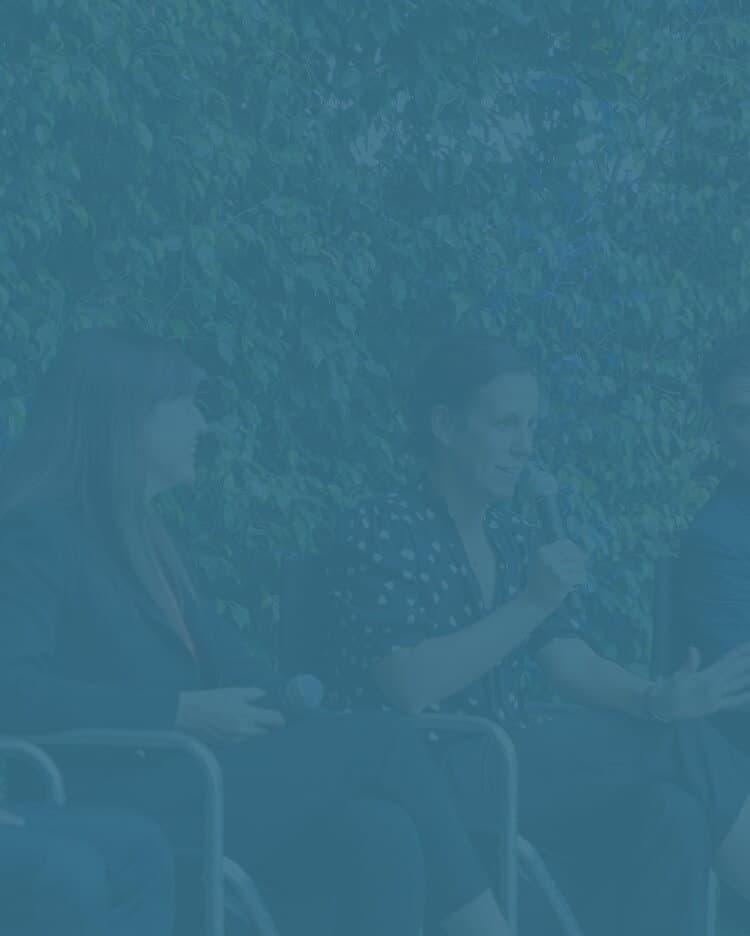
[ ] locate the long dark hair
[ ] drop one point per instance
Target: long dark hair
(81, 448)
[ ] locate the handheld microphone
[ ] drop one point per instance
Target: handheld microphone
(296, 697)
(544, 487)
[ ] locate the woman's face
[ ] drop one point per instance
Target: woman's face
(492, 441)
(171, 435)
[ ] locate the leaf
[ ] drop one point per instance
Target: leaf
(398, 288)
(124, 52)
(42, 134)
(345, 316)
(59, 73)
(206, 255)
(143, 135)
(8, 369)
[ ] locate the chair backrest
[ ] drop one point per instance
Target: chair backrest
(305, 609)
(667, 637)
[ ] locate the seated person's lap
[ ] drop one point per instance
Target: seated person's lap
(578, 766)
(276, 787)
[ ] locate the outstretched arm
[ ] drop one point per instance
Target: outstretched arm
(581, 674)
(691, 692)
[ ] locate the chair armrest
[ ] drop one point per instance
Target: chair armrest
(476, 725)
(501, 740)
(203, 760)
(40, 761)
(535, 869)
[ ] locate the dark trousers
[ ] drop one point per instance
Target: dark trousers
(77, 872)
(343, 819)
(626, 813)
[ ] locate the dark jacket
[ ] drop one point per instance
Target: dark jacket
(713, 576)
(712, 596)
(83, 648)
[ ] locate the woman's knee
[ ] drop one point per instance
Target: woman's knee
(135, 853)
(149, 843)
(383, 878)
(72, 889)
(385, 837)
(678, 820)
(150, 854)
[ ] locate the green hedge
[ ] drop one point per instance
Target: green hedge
(305, 192)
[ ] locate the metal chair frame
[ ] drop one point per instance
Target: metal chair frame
(42, 764)
(667, 653)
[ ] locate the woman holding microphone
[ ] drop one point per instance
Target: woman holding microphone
(101, 626)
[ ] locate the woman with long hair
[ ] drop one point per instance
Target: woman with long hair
(102, 627)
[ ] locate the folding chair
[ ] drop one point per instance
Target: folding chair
(39, 761)
(305, 609)
(226, 886)
(668, 651)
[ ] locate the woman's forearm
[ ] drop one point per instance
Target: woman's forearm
(415, 677)
(589, 679)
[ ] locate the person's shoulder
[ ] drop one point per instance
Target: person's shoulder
(723, 522)
(392, 515)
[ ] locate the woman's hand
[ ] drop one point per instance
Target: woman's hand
(692, 692)
(226, 715)
(553, 572)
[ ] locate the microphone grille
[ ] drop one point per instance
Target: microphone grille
(541, 483)
(304, 692)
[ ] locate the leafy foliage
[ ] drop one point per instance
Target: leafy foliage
(306, 192)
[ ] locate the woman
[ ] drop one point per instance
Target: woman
(443, 597)
(342, 819)
(83, 872)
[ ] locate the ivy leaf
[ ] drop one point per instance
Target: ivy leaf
(143, 135)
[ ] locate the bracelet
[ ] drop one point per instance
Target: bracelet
(650, 693)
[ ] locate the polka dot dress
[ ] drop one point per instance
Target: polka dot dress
(399, 575)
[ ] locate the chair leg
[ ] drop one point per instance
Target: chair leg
(713, 904)
(531, 862)
(243, 899)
